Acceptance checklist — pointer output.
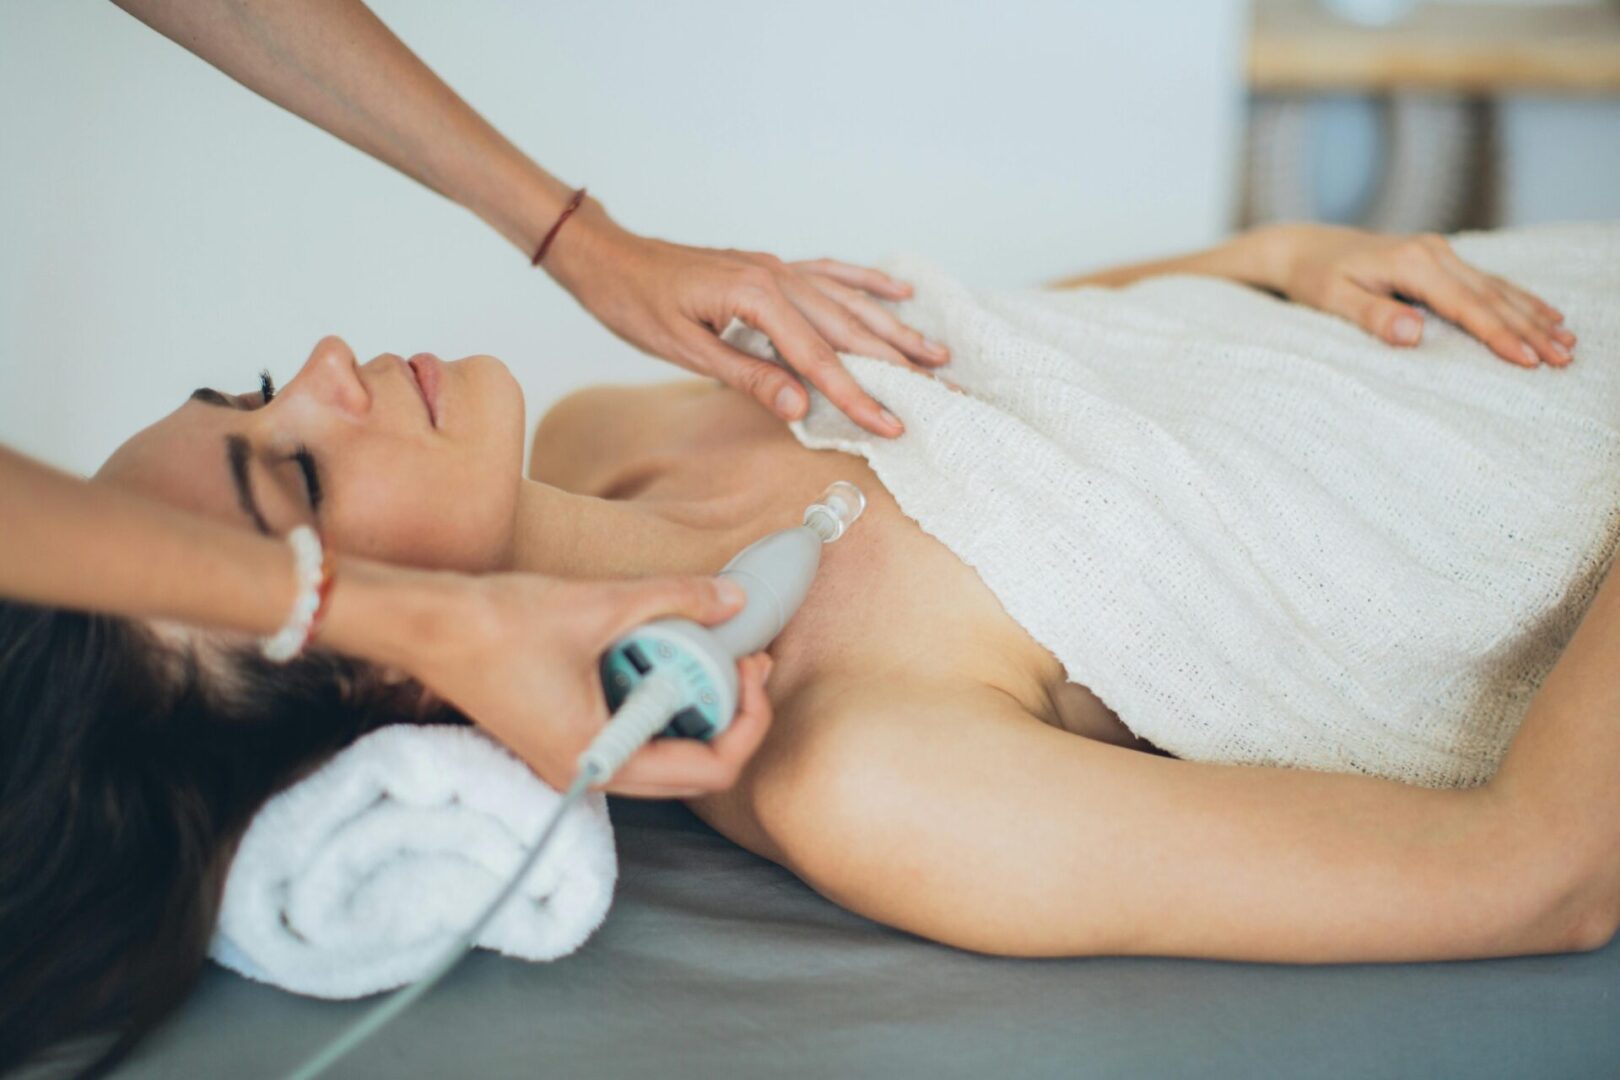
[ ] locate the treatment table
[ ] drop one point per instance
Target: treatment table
(716, 963)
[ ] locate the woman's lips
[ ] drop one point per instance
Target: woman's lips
(428, 369)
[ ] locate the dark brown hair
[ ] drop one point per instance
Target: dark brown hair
(129, 769)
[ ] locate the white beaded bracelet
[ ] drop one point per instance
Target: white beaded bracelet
(314, 579)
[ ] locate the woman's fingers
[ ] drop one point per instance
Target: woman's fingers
(1389, 320)
(1426, 279)
(836, 323)
(875, 282)
(684, 768)
(769, 384)
(918, 349)
(770, 312)
(1535, 322)
(1549, 318)
(1528, 328)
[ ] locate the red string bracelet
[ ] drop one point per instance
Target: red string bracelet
(573, 204)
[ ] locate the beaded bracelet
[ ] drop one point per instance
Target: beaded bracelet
(313, 566)
(545, 245)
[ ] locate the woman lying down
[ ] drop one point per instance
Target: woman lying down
(1183, 620)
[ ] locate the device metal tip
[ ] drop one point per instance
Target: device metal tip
(835, 511)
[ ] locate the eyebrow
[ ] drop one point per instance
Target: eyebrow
(212, 397)
(237, 453)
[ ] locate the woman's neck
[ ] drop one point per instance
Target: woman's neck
(562, 534)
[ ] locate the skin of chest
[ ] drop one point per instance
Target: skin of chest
(890, 603)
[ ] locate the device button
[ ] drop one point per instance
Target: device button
(691, 724)
(637, 658)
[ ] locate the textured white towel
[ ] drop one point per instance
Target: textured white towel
(1257, 533)
(356, 878)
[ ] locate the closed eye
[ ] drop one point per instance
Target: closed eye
(312, 478)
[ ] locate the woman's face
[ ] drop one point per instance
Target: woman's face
(415, 463)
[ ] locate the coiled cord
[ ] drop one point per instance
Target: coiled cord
(644, 713)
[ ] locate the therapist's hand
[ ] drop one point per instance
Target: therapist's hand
(518, 654)
(674, 301)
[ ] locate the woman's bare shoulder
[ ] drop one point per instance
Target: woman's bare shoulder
(580, 439)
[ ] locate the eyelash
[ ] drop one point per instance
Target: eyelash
(312, 480)
(267, 386)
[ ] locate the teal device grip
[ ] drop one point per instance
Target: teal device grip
(775, 573)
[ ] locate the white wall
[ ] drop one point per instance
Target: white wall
(162, 228)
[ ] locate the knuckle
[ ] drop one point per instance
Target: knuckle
(760, 381)
(1505, 343)
(1414, 255)
(756, 277)
(1337, 294)
(852, 329)
(826, 361)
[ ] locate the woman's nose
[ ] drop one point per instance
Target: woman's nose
(332, 377)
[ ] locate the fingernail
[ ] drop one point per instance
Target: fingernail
(787, 403)
(892, 420)
(1559, 351)
(1529, 354)
(1407, 329)
(730, 592)
(935, 349)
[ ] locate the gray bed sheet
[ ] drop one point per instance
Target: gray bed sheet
(715, 963)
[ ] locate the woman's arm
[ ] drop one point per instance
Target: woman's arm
(968, 821)
(335, 64)
(1249, 258)
(1372, 280)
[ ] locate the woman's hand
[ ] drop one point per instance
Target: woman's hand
(1365, 277)
(673, 301)
(518, 654)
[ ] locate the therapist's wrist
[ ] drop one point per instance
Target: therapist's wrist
(584, 248)
(391, 615)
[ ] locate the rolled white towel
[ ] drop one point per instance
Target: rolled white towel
(355, 879)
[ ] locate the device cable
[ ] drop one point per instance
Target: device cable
(643, 715)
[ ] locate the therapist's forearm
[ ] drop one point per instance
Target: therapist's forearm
(335, 64)
(71, 543)
(68, 542)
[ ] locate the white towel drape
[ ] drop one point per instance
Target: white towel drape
(1259, 534)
